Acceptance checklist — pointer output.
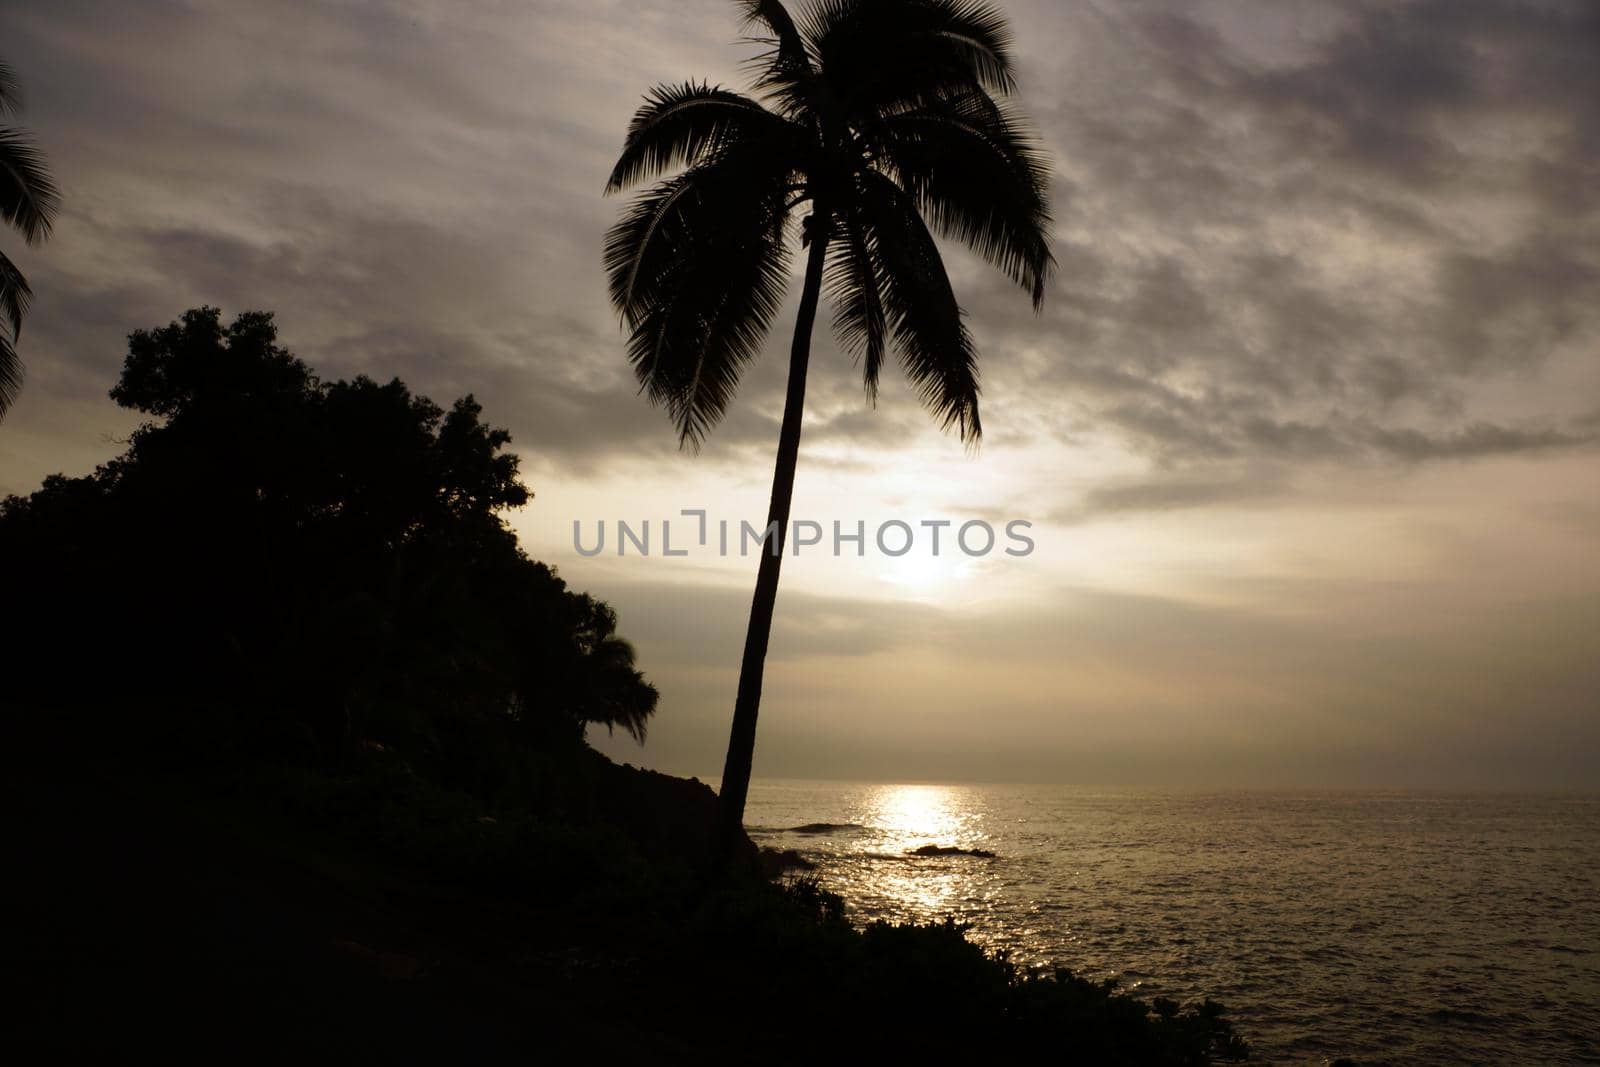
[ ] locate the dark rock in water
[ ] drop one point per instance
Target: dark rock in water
(780, 861)
(823, 827)
(951, 850)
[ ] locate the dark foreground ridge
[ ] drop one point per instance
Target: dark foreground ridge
(341, 914)
(294, 765)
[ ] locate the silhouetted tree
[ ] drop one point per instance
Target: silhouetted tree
(28, 202)
(875, 115)
(327, 559)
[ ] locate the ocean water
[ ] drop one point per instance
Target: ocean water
(1386, 927)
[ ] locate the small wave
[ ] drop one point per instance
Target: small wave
(1455, 1016)
(824, 828)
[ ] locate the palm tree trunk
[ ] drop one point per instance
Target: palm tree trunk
(742, 740)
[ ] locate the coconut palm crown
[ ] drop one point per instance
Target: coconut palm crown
(874, 125)
(28, 202)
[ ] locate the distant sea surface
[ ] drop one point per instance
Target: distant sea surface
(1395, 928)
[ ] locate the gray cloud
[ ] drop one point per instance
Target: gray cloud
(1478, 439)
(1274, 233)
(1173, 493)
(1374, 215)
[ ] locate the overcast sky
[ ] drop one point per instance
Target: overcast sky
(1306, 430)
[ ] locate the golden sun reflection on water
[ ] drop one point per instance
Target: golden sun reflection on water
(907, 817)
(930, 814)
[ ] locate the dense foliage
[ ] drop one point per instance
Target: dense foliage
(811, 987)
(322, 563)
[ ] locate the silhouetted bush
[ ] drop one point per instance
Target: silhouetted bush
(808, 986)
(304, 570)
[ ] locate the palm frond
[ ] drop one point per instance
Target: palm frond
(785, 69)
(875, 54)
(10, 375)
(933, 344)
(623, 697)
(680, 125)
(852, 280)
(643, 246)
(965, 36)
(28, 195)
(10, 90)
(15, 296)
(698, 267)
(980, 178)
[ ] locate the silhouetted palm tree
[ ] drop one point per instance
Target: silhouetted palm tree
(28, 202)
(877, 114)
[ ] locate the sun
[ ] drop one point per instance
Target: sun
(921, 572)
